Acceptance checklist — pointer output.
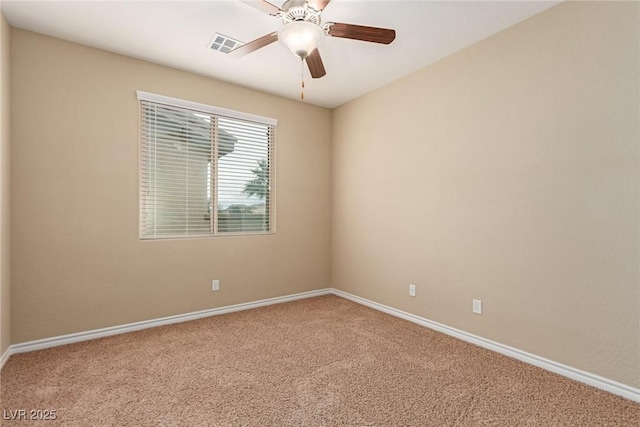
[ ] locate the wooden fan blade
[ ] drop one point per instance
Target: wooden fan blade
(253, 45)
(318, 5)
(264, 6)
(314, 62)
(359, 32)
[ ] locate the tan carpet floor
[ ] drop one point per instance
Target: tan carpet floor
(323, 361)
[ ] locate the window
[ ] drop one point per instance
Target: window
(204, 171)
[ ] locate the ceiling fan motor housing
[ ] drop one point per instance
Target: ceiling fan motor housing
(298, 10)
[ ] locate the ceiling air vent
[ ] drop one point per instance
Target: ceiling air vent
(223, 43)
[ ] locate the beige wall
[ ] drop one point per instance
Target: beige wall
(508, 172)
(5, 209)
(77, 261)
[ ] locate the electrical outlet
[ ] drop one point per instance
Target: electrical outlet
(412, 290)
(215, 285)
(477, 306)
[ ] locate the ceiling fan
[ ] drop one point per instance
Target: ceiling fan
(303, 33)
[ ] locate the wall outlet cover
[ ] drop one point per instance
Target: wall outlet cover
(477, 306)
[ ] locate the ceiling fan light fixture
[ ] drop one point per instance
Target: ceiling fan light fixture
(301, 37)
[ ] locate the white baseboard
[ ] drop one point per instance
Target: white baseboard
(602, 383)
(5, 356)
(596, 381)
(115, 330)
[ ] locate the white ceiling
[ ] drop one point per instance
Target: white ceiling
(177, 34)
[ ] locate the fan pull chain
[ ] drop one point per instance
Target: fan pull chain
(302, 78)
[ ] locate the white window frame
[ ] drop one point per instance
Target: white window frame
(217, 112)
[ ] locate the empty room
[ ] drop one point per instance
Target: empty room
(320, 213)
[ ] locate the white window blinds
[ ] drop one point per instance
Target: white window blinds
(203, 173)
